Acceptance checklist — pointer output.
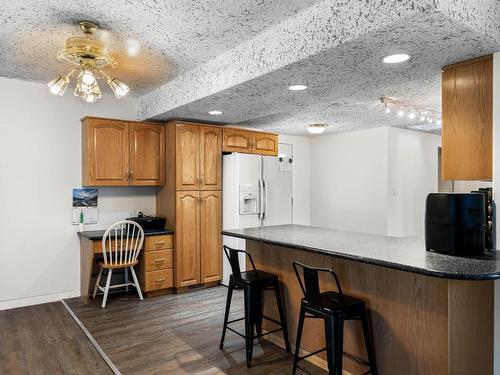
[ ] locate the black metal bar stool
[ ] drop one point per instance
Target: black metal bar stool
(253, 283)
(334, 308)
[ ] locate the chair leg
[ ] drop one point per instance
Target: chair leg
(249, 323)
(300, 327)
(226, 314)
(137, 286)
(97, 282)
(281, 309)
(368, 343)
(106, 290)
(258, 311)
(334, 332)
(126, 280)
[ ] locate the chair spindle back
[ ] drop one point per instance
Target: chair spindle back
(122, 243)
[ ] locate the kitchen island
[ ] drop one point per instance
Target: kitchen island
(430, 313)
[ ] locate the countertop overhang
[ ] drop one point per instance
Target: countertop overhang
(405, 254)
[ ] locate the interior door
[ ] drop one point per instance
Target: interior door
(210, 157)
(279, 187)
(211, 254)
(107, 142)
(147, 154)
(187, 238)
(187, 156)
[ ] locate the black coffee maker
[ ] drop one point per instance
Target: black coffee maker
(459, 223)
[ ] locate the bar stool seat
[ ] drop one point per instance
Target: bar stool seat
(253, 283)
(248, 277)
(334, 308)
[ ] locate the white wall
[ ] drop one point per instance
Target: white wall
(40, 162)
(373, 181)
(496, 196)
(349, 181)
(301, 177)
(413, 173)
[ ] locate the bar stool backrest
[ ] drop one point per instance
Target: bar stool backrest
(309, 282)
(122, 243)
(232, 256)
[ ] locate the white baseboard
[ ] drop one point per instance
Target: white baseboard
(37, 300)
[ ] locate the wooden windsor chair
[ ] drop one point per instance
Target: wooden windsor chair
(121, 245)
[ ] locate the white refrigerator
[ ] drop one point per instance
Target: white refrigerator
(256, 191)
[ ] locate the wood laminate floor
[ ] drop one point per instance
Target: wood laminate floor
(177, 334)
(44, 339)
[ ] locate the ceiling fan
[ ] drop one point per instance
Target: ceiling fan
(88, 56)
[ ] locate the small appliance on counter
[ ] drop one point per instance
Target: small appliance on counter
(149, 223)
(458, 223)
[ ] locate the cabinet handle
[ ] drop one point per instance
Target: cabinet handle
(159, 243)
(160, 280)
(202, 180)
(159, 260)
(126, 175)
(131, 175)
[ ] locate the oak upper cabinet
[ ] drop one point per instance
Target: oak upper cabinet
(122, 153)
(147, 154)
(105, 152)
(210, 157)
(187, 156)
(467, 105)
(187, 234)
(210, 228)
(249, 142)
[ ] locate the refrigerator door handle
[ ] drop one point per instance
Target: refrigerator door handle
(264, 188)
(261, 199)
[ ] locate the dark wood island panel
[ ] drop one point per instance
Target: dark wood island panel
(421, 324)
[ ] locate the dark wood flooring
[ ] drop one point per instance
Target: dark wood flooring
(44, 339)
(177, 334)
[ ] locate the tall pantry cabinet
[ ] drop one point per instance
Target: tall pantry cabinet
(191, 200)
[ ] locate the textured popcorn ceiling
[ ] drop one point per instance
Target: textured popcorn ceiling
(174, 36)
(240, 56)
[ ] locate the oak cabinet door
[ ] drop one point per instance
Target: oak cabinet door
(467, 133)
(236, 140)
(105, 153)
(210, 157)
(187, 157)
(147, 154)
(187, 235)
(265, 144)
(211, 252)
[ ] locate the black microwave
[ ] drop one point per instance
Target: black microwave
(456, 223)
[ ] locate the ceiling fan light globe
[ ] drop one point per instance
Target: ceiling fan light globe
(118, 87)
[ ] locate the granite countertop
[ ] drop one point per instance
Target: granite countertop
(98, 234)
(406, 254)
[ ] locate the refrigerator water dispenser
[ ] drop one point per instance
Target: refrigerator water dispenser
(249, 200)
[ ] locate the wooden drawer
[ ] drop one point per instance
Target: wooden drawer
(152, 243)
(158, 260)
(161, 279)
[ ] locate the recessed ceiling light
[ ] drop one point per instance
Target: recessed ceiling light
(316, 128)
(215, 112)
(397, 58)
(297, 87)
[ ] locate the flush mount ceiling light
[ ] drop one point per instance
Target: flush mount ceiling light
(415, 113)
(395, 59)
(215, 112)
(297, 87)
(88, 56)
(316, 128)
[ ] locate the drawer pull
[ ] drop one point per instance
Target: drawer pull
(160, 280)
(159, 243)
(159, 260)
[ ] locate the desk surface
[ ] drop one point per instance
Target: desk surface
(98, 234)
(406, 254)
